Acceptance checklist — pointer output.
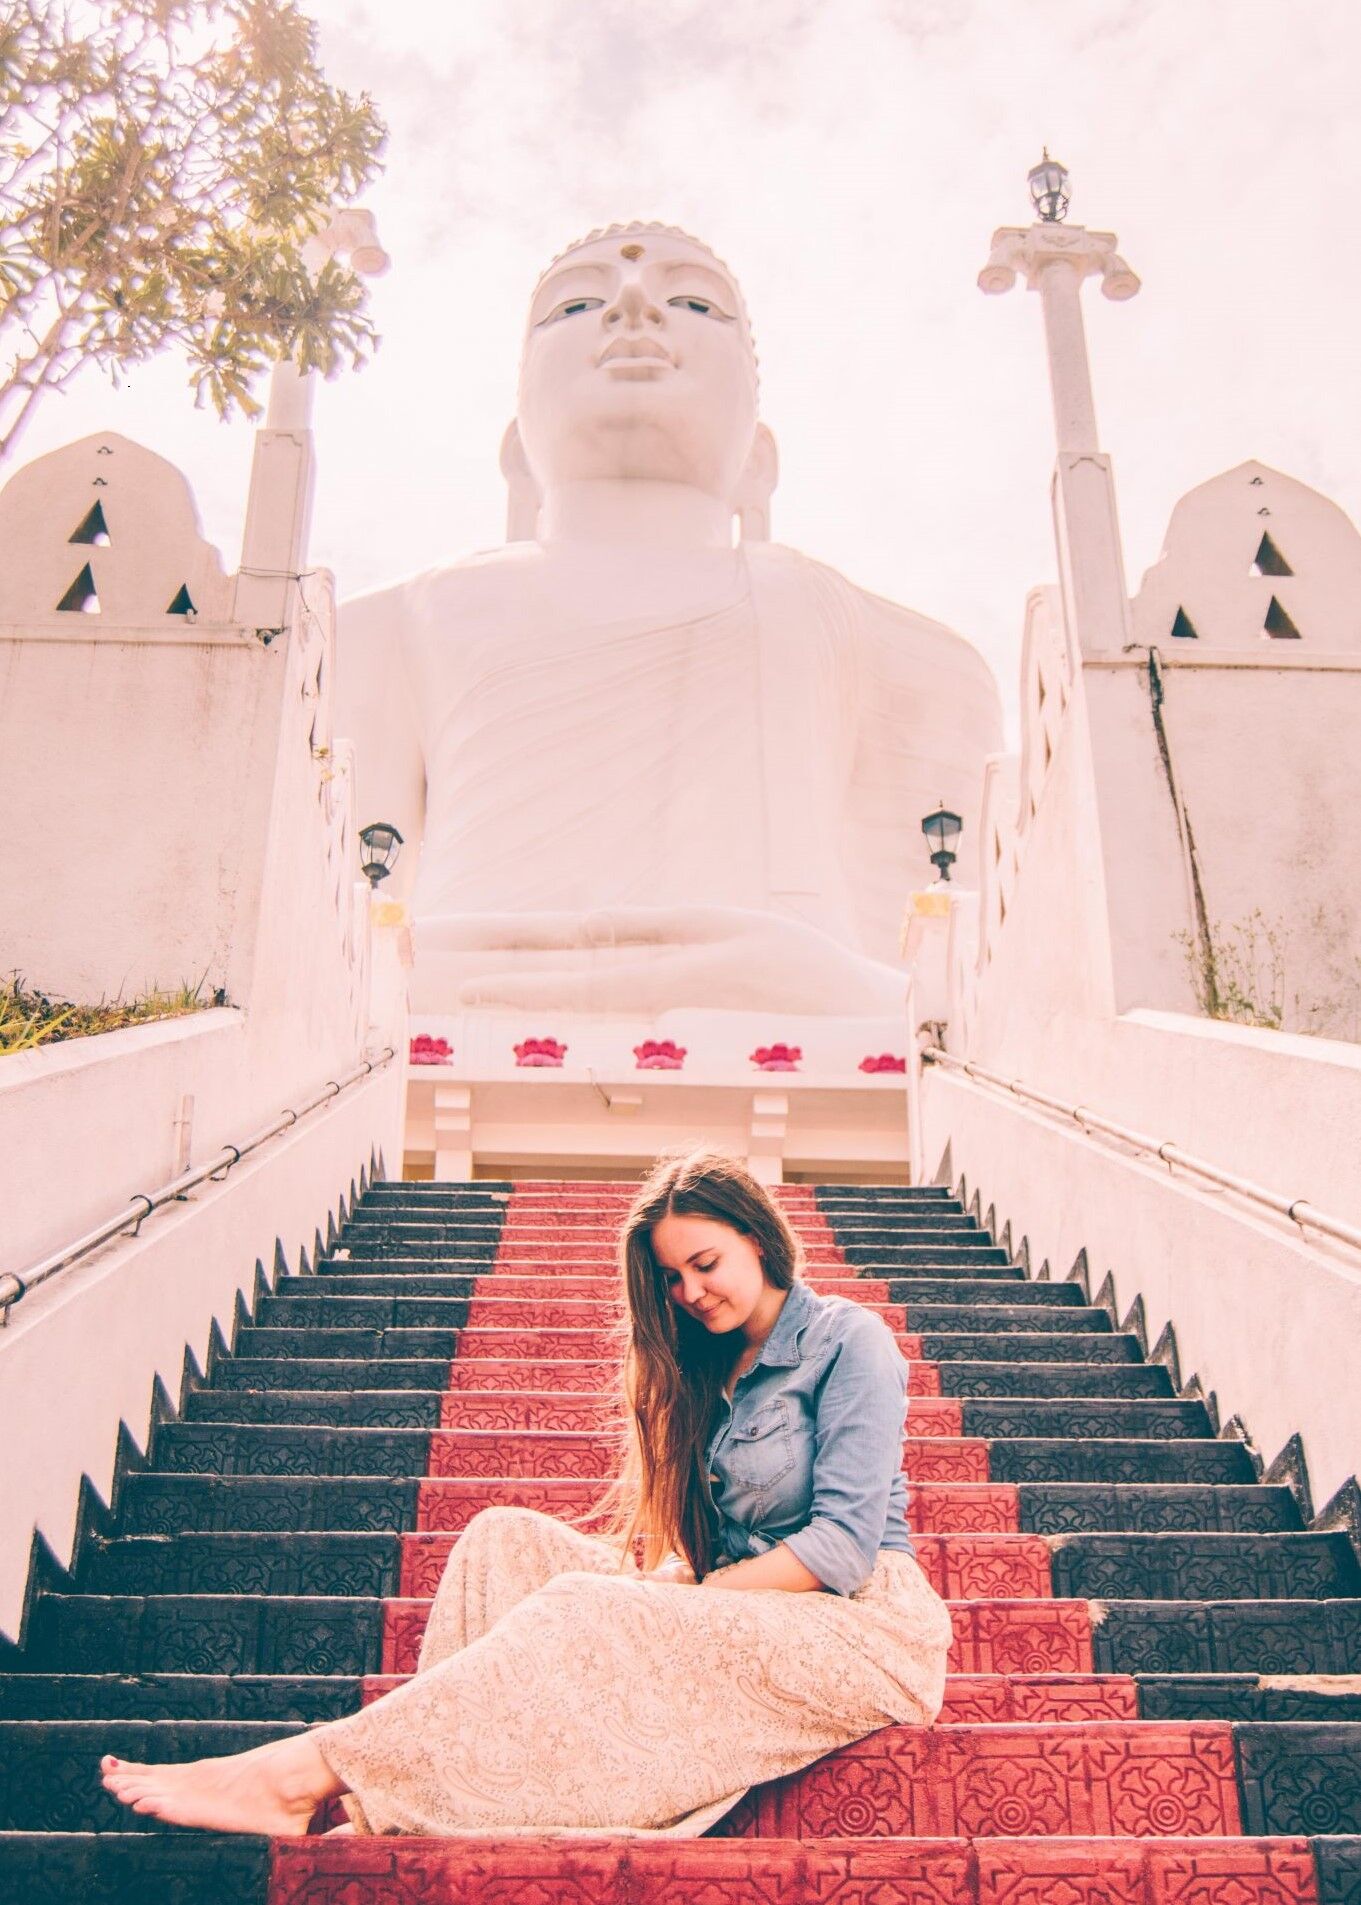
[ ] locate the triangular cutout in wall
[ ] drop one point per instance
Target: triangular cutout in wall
(81, 598)
(1279, 624)
(1184, 628)
(1269, 560)
(183, 603)
(94, 529)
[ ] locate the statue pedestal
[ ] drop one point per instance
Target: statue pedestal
(601, 1114)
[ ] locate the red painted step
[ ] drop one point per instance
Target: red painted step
(583, 1376)
(980, 1699)
(551, 1285)
(990, 1637)
(960, 1567)
(1101, 1778)
(932, 1507)
(544, 1453)
(491, 1309)
(594, 1413)
(535, 1345)
(588, 1870)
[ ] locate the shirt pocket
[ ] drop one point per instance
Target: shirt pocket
(760, 1449)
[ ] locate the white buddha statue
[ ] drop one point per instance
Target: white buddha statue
(643, 765)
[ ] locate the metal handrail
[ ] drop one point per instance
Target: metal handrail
(1297, 1209)
(14, 1287)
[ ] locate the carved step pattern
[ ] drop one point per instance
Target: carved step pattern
(1154, 1688)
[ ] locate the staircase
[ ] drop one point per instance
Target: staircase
(1155, 1687)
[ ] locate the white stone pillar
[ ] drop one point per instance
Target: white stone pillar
(1054, 259)
(766, 1138)
(453, 1133)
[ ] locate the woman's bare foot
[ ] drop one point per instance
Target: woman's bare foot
(272, 1789)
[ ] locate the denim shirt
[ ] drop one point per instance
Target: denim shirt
(810, 1450)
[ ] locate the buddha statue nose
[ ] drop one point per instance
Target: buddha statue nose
(633, 305)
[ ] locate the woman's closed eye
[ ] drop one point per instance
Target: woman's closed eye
(673, 1276)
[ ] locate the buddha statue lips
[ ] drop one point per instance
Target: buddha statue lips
(650, 767)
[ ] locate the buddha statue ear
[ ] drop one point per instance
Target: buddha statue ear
(524, 495)
(755, 486)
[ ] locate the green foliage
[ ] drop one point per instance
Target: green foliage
(1240, 973)
(29, 1018)
(162, 163)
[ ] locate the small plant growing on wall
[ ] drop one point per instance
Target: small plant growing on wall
(1241, 973)
(29, 1018)
(163, 164)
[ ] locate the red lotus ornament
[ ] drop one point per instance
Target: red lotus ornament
(426, 1050)
(885, 1062)
(777, 1058)
(540, 1051)
(659, 1055)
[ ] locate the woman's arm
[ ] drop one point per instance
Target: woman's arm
(778, 1567)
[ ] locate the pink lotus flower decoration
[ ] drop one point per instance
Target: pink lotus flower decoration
(659, 1055)
(540, 1051)
(426, 1050)
(777, 1058)
(885, 1062)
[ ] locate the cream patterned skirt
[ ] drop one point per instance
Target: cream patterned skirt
(557, 1694)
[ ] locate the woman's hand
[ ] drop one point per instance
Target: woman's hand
(676, 1570)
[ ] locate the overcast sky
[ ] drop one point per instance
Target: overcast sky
(849, 159)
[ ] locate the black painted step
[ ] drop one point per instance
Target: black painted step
(1000, 1418)
(155, 1503)
(1052, 1460)
(1031, 1345)
(1198, 1637)
(49, 1769)
(1205, 1567)
(1066, 1508)
(351, 1409)
(397, 1310)
(1249, 1697)
(1007, 1318)
(183, 1696)
(133, 1868)
(989, 1378)
(935, 1249)
(402, 1344)
(329, 1372)
(267, 1449)
(291, 1563)
(205, 1633)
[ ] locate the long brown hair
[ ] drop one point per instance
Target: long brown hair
(672, 1369)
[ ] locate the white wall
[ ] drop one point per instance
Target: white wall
(1267, 1321)
(82, 1352)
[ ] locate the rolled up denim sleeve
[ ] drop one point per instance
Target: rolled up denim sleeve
(858, 1449)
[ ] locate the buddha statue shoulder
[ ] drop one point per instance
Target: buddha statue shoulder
(643, 757)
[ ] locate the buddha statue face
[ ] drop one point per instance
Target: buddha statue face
(638, 364)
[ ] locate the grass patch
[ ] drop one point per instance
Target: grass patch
(29, 1018)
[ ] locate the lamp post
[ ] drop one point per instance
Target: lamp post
(1054, 259)
(380, 844)
(1048, 182)
(942, 829)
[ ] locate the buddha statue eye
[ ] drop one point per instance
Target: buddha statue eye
(573, 308)
(701, 306)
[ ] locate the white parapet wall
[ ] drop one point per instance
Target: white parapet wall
(82, 1353)
(1172, 788)
(1266, 1313)
(176, 806)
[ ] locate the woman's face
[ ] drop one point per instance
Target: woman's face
(712, 1271)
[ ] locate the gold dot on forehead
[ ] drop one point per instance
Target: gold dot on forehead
(630, 251)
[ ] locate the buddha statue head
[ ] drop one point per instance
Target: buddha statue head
(638, 367)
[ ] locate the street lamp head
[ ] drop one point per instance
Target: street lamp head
(942, 829)
(1048, 182)
(379, 845)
